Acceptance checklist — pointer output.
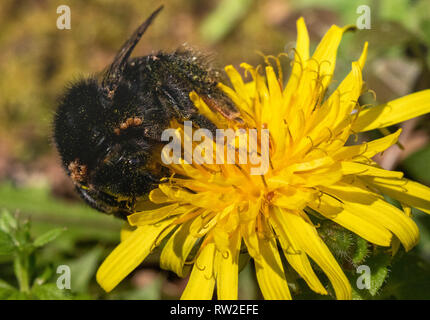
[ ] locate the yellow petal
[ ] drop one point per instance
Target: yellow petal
(308, 239)
(336, 110)
(402, 109)
(295, 256)
(333, 209)
(201, 284)
(200, 199)
(128, 255)
(151, 216)
(349, 97)
(237, 82)
(406, 191)
(247, 227)
(322, 176)
(203, 223)
(270, 272)
(227, 269)
(377, 211)
(367, 150)
(395, 245)
(204, 110)
(312, 164)
(300, 57)
(177, 249)
(292, 198)
(350, 87)
(324, 57)
(275, 121)
(302, 46)
(157, 196)
(126, 231)
(356, 168)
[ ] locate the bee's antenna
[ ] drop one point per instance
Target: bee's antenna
(112, 76)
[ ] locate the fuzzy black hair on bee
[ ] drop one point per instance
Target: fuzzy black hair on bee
(108, 131)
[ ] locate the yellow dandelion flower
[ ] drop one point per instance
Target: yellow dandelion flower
(221, 209)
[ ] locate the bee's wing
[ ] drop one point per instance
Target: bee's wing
(113, 74)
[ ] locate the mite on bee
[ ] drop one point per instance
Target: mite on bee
(108, 131)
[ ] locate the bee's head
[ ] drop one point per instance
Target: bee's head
(77, 123)
(105, 152)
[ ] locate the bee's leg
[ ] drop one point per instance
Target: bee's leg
(223, 106)
(173, 104)
(188, 111)
(203, 122)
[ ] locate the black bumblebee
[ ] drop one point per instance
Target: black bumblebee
(108, 131)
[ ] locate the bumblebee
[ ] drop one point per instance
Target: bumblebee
(107, 129)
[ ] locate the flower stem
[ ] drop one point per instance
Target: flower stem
(21, 268)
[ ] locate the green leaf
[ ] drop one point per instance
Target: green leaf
(5, 285)
(361, 250)
(357, 294)
(50, 291)
(47, 237)
(44, 277)
(18, 295)
(83, 269)
(47, 212)
(22, 235)
(7, 221)
(409, 279)
(6, 243)
(378, 265)
(6, 290)
(339, 240)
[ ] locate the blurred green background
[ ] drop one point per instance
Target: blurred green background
(37, 60)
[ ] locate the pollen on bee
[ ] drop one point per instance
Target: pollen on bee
(137, 121)
(78, 172)
(110, 93)
(128, 123)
